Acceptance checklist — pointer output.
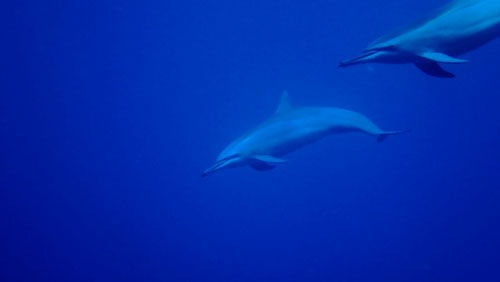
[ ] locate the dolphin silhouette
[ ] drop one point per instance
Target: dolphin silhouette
(290, 128)
(455, 29)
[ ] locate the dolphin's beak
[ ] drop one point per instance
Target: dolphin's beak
(210, 170)
(365, 57)
(218, 165)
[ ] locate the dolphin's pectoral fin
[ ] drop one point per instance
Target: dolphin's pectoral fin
(265, 162)
(269, 159)
(431, 66)
(434, 69)
(261, 166)
(441, 58)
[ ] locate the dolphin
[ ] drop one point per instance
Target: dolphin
(290, 128)
(457, 28)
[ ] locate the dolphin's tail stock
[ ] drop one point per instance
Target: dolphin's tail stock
(381, 137)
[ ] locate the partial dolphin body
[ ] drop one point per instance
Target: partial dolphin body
(287, 130)
(459, 27)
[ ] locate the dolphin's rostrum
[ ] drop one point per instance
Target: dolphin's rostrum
(290, 128)
(457, 28)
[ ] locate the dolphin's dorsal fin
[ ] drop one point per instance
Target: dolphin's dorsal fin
(285, 104)
(441, 58)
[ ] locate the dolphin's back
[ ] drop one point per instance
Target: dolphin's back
(284, 132)
(346, 120)
(449, 8)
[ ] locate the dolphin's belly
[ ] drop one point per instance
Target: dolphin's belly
(296, 139)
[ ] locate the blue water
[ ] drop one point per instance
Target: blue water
(110, 110)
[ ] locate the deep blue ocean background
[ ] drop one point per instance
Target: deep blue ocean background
(110, 110)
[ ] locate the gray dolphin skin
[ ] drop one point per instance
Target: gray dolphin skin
(455, 29)
(290, 128)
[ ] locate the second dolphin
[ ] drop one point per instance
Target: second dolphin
(460, 27)
(290, 128)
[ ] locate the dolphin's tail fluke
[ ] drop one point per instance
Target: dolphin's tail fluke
(381, 137)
